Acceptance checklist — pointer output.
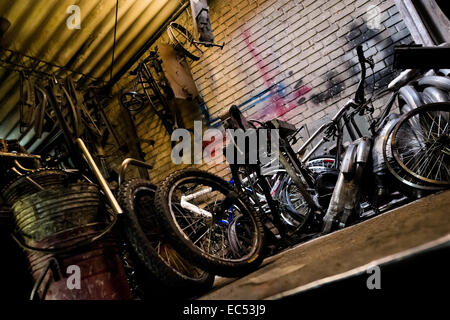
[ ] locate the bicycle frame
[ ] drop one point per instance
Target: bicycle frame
(402, 79)
(185, 204)
(350, 125)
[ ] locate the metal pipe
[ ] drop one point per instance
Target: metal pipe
(349, 128)
(339, 114)
(21, 167)
(133, 162)
(305, 158)
(355, 127)
(315, 134)
(101, 180)
(34, 183)
(402, 79)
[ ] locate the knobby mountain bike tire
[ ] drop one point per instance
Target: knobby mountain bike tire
(203, 240)
(158, 258)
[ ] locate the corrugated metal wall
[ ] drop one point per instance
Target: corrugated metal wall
(38, 29)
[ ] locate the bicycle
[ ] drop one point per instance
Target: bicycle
(216, 226)
(154, 93)
(209, 223)
(333, 130)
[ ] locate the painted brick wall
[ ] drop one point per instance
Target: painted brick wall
(304, 50)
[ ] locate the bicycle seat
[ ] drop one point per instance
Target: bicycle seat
(234, 119)
(286, 129)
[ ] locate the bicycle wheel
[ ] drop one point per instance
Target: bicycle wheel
(426, 154)
(196, 209)
(294, 210)
(158, 257)
(408, 184)
(132, 101)
(183, 40)
(297, 208)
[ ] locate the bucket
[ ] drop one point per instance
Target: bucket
(57, 227)
(25, 185)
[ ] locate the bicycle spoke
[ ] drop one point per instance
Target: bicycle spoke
(423, 154)
(193, 223)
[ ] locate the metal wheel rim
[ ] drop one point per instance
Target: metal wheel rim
(134, 99)
(165, 252)
(307, 210)
(180, 230)
(405, 179)
(173, 30)
(400, 161)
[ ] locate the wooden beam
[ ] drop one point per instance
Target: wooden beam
(414, 23)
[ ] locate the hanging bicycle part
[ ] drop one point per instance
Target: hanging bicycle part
(153, 95)
(202, 23)
(39, 112)
(27, 102)
(66, 115)
(185, 42)
(132, 101)
(96, 100)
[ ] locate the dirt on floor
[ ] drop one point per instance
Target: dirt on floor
(404, 228)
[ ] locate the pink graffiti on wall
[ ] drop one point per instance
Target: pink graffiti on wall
(277, 106)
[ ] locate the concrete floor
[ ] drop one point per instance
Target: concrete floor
(404, 228)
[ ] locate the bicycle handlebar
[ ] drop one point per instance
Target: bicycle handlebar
(359, 95)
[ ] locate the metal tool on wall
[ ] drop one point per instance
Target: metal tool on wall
(190, 39)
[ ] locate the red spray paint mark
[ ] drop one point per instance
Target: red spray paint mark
(276, 102)
(278, 106)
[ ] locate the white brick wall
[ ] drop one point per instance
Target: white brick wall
(285, 41)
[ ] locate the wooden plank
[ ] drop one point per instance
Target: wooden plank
(414, 23)
(405, 228)
(435, 20)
